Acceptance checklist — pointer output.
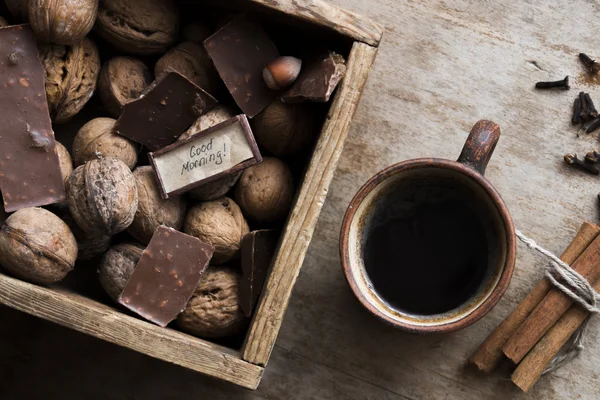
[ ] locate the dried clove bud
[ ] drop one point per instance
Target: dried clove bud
(564, 84)
(576, 118)
(584, 114)
(590, 104)
(590, 126)
(571, 159)
(593, 157)
(592, 66)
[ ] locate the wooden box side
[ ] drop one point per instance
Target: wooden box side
(98, 320)
(305, 213)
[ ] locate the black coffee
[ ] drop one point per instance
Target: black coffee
(426, 257)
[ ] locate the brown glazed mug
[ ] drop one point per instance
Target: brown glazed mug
(428, 245)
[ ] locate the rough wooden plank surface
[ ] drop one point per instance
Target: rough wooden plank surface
(302, 221)
(441, 66)
(108, 324)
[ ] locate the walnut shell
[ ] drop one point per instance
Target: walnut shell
(64, 160)
(89, 246)
(37, 246)
(191, 60)
(214, 116)
(102, 197)
(266, 190)
(71, 76)
(138, 26)
(285, 129)
(95, 140)
(196, 32)
(215, 189)
(153, 211)
(214, 310)
(62, 21)
(116, 267)
(122, 79)
(219, 223)
(19, 9)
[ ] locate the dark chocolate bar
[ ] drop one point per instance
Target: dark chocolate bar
(240, 51)
(166, 109)
(29, 167)
(318, 78)
(257, 251)
(166, 276)
(220, 150)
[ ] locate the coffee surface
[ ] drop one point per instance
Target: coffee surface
(426, 257)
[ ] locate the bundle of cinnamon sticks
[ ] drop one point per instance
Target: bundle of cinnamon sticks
(544, 321)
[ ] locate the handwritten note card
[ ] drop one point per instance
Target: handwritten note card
(222, 149)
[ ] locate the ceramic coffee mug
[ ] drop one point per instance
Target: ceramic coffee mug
(428, 245)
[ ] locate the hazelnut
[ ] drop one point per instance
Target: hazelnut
(153, 210)
(95, 140)
(215, 189)
(37, 246)
(214, 310)
(19, 9)
(62, 21)
(71, 75)
(122, 79)
(265, 191)
(192, 61)
(122, 23)
(285, 129)
(282, 72)
(89, 246)
(64, 160)
(214, 116)
(116, 267)
(219, 223)
(102, 197)
(196, 32)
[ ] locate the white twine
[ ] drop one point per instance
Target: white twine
(577, 288)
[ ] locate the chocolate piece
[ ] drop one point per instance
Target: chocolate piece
(240, 51)
(166, 276)
(318, 78)
(220, 150)
(29, 167)
(258, 249)
(167, 108)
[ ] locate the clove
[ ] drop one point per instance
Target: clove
(592, 66)
(590, 104)
(584, 114)
(593, 157)
(564, 84)
(590, 126)
(576, 118)
(571, 159)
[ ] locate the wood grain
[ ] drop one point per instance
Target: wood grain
(106, 323)
(303, 218)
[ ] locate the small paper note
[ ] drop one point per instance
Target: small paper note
(222, 149)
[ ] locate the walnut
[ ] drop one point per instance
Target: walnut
(64, 160)
(153, 210)
(122, 79)
(95, 140)
(89, 246)
(196, 32)
(116, 267)
(102, 197)
(219, 223)
(138, 26)
(19, 9)
(191, 60)
(214, 310)
(214, 116)
(62, 21)
(71, 75)
(37, 246)
(215, 189)
(285, 129)
(266, 190)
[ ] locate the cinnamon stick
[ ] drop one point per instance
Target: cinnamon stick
(536, 361)
(488, 355)
(551, 308)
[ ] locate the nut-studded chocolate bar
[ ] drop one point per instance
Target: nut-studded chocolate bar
(166, 276)
(29, 167)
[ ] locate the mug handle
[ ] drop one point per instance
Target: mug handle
(480, 145)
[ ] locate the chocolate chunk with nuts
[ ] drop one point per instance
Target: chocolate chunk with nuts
(29, 166)
(168, 107)
(240, 51)
(166, 276)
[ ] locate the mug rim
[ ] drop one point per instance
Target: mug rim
(511, 243)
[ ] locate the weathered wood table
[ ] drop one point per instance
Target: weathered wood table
(442, 66)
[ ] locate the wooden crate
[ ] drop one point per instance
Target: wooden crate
(243, 367)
